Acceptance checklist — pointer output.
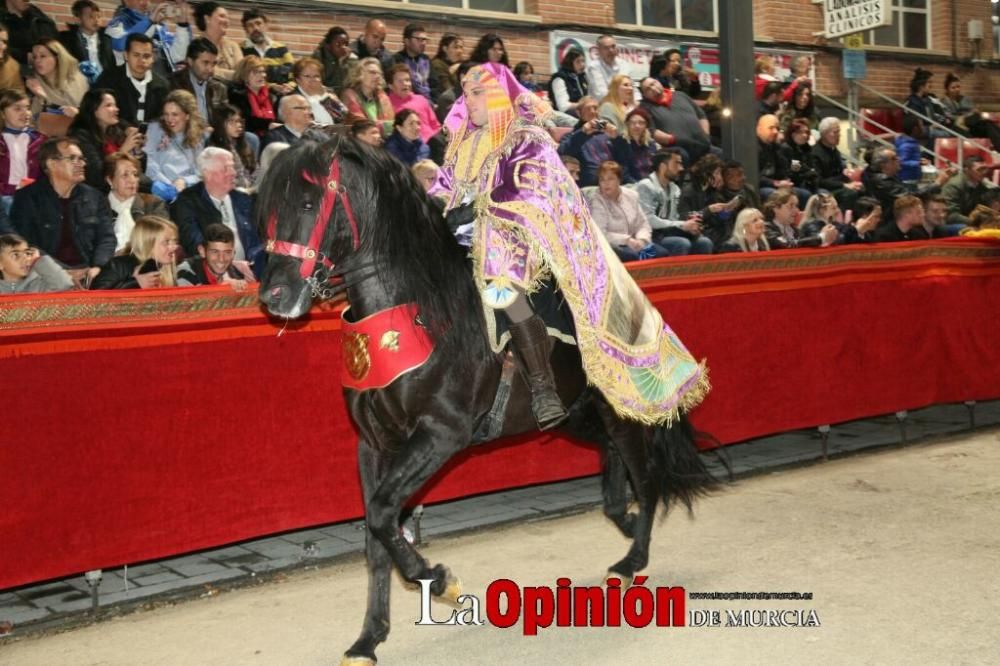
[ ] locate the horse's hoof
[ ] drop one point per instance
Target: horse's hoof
(626, 581)
(348, 660)
(452, 589)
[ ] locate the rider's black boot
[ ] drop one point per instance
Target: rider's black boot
(531, 345)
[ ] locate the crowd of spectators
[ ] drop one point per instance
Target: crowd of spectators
(131, 152)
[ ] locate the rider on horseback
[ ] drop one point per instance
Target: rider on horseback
(501, 168)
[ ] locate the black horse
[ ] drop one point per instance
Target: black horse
(344, 217)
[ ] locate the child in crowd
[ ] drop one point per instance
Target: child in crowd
(23, 270)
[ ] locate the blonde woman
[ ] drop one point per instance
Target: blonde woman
(57, 81)
(173, 144)
(617, 103)
(149, 261)
(364, 98)
(748, 233)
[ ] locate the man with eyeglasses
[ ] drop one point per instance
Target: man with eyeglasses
(600, 73)
(297, 116)
(412, 55)
(63, 216)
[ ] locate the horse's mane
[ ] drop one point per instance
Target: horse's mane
(402, 232)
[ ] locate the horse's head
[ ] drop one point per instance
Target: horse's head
(311, 228)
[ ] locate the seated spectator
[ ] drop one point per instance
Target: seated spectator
(213, 21)
(405, 143)
(24, 271)
(781, 211)
(335, 60)
(984, 222)
(635, 150)
(20, 145)
(10, 69)
(296, 114)
(702, 196)
(139, 90)
(770, 99)
(121, 173)
(426, 173)
(796, 152)
(198, 78)
(734, 183)
(619, 101)
(402, 96)
(908, 145)
(87, 41)
(966, 190)
(677, 121)
(444, 64)
(907, 221)
(267, 156)
(62, 216)
(748, 233)
(936, 218)
(149, 260)
(775, 171)
(367, 131)
(173, 144)
(923, 102)
(962, 114)
(99, 132)
(801, 107)
(820, 210)
(27, 25)
(371, 44)
(490, 48)
(569, 83)
(600, 72)
(131, 18)
(591, 143)
(256, 101)
(831, 171)
(228, 133)
(676, 77)
(58, 85)
(327, 109)
(364, 97)
(524, 72)
(274, 56)
(659, 197)
(867, 217)
(572, 166)
(763, 68)
(617, 213)
(882, 182)
(412, 55)
(215, 200)
(216, 262)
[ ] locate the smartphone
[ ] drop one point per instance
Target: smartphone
(143, 128)
(734, 202)
(600, 124)
(149, 267)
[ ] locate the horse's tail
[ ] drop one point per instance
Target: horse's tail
(677, 466)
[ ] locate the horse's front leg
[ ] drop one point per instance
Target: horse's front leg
(418, 459)
(376, 626)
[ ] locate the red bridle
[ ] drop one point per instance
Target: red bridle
(310, 253)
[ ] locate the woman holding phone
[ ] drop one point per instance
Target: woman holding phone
(149, 261)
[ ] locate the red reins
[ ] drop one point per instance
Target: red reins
(310, 253)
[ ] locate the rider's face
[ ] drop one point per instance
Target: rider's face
(475, 101)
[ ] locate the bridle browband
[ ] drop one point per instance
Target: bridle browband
(318, 277)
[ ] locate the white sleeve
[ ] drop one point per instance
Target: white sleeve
(561, 96)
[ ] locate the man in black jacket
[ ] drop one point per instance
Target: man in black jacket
(87, 42)
(26, 26)
(198, 78)
(907, 222)
(882, 183)
(830, 166)
(138, 90)
(63, 216)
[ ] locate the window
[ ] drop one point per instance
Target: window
(507, 6)
(684, 15)
(910, 27)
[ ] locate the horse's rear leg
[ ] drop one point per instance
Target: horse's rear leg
(376, 626)
(411, 467)
(628, 438)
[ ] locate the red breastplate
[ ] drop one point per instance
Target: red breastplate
(382, 347)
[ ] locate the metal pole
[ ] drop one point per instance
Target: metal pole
(739, 136)
(853, 118)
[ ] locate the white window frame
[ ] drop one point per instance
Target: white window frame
(679, 12)
(465, 6)
(898, 11)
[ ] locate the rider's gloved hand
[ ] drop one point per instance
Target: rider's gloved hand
(460, 215)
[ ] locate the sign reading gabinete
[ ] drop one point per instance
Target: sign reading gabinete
(844, 17)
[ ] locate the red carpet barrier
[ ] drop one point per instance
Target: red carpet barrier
(145, 424)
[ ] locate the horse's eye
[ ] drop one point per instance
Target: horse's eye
(307, 205)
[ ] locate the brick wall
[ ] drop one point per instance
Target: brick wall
(790, 22)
